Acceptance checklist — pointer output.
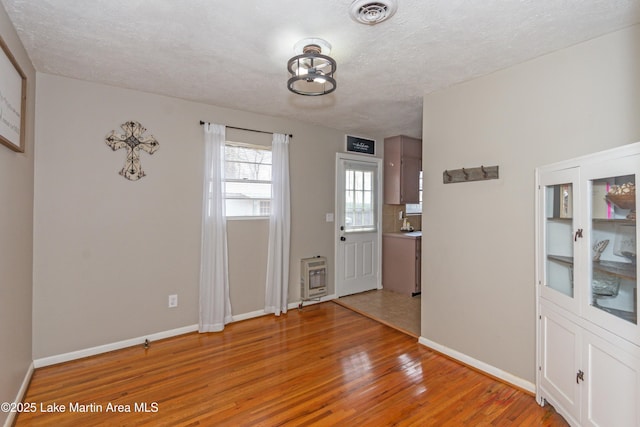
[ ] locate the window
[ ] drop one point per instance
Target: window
(416, 208)
(247, 180)
(359, 200)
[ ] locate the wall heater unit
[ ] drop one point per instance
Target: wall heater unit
(313, 277)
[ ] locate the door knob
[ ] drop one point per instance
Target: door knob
(579, 376)
(342, 238)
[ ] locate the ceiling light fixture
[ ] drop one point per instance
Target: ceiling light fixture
(372, 12)
(311, 70)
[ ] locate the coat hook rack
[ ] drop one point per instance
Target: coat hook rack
(481, 173)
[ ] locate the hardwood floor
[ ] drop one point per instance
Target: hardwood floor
(323, 365)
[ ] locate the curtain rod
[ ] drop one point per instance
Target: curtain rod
(249, 130)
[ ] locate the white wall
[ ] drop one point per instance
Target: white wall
(109, 251)
(16, 239)
(478, 249)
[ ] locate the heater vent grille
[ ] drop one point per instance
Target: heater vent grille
(313, 278)
(372, 12)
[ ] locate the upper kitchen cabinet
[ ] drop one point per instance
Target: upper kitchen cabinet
(402, 166)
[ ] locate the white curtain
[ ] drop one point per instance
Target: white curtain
(279, 228)
(215, 305)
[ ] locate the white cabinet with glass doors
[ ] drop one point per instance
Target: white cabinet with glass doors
(588, 341)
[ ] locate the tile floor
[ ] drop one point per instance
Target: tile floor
(396, 310)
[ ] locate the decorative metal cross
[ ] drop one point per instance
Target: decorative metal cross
(133, 141)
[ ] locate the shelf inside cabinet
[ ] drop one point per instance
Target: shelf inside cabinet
(629, 316)
(621, 221)
(624, 270)
(562, 259)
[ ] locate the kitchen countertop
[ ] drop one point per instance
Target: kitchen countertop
(405, 235)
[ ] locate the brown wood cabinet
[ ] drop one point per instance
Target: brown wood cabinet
(402, 166)
(401, 262)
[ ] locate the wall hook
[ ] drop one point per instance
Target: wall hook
(480, 173)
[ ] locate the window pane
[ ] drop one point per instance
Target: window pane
(359, 200)
(247, 190)
(249, 171)
(368, 179)
(359, 180)
(349, 180)
(247, 181)
(417, 207)
(248, 154)
(248, 207)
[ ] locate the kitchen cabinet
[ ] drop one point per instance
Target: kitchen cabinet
(588, 337)
(401, 262)
(402, 166)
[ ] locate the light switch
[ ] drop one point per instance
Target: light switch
(328, 217)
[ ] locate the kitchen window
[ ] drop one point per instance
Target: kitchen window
(247, 180)
(416, 208)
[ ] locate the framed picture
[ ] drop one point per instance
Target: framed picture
(566, 201)
(13, 94)
(356, 144)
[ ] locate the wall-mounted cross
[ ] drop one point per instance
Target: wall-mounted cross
(133, 141)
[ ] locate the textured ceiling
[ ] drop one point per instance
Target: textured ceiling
(233, 53)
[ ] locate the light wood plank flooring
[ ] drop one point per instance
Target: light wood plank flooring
(323, 365)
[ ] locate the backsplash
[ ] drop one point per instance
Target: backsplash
(391, 223)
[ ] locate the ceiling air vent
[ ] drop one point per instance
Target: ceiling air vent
(372, 12)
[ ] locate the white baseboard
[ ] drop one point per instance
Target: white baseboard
(60, 358)
(23, 389)
(250, 315)
(481, 366)
(52, 360)
(290, 306)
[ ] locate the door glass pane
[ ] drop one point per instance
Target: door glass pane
(559, 238)
(359, 198)
(613, 247)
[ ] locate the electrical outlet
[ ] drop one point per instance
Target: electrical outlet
(173, 301)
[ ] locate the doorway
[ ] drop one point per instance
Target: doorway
(358, 236)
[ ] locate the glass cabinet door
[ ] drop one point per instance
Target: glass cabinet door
(558, 198)
(613, 273)
(559, 241)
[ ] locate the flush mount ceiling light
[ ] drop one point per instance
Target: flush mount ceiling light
(311, 70)
(372, 12)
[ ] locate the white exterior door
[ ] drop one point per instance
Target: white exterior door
(358, 219)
